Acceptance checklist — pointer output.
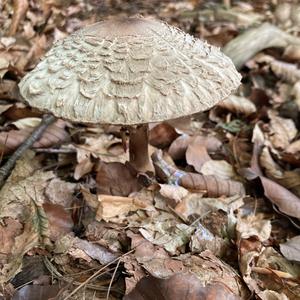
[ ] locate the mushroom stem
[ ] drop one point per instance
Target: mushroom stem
(138, 148)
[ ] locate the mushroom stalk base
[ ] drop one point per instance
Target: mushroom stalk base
(138, 148)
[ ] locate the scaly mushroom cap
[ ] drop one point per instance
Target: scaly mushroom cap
(127, 72)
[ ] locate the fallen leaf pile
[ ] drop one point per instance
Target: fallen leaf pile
(219, 217)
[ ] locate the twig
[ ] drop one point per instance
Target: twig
(6, 169)
(112, 279)
(97, 273)
(54, 150)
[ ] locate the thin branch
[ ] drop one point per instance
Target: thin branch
(112, 279)
(6, 169)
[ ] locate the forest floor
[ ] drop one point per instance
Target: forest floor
(220, 218)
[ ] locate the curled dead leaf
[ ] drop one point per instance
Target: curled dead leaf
(162, 135)
(213, 186)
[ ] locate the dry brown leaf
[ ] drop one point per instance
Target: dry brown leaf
(179, 146)
(196, 204)
(8, 89)
(60, 220)
(20, 8)
(5, 107)
(11, 55)
(53, 135)
(288, 179)
(286, 201)
(115, 179)
(196, 155)
(262, 267)
(22, 198)
(103, 146)
(238, 104)
(268, 270)
(296, 93)
(162, 135)
(38, 48)
(4, 66)
(286, 71)
(26, 123)
(219, 168)
(291, 249)
(271, 169)
(24, 202)
(293, 148)
(167, 233)
(292, 52)
(272, 295)
(84, 165)
(241, 150)
(134, 273)
(9, 230)
(179, 286)
(104, 235)
(116, 208)
(20, 111)
(282, 131)
(254, 225)
(177, 193)
(92, 250)
(90, 199)
(210, 270)
(154, 259)
(202, 239)
(60, 192)
(37, 292)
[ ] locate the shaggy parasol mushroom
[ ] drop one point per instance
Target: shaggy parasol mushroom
(130, 72)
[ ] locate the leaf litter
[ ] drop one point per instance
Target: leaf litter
(220, 217)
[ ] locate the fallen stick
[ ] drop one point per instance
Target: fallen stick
(6, 169)
(254, 40)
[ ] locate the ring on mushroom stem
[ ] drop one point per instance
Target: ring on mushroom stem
(130, 72)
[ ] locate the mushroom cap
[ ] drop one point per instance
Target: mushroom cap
(129, 71)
